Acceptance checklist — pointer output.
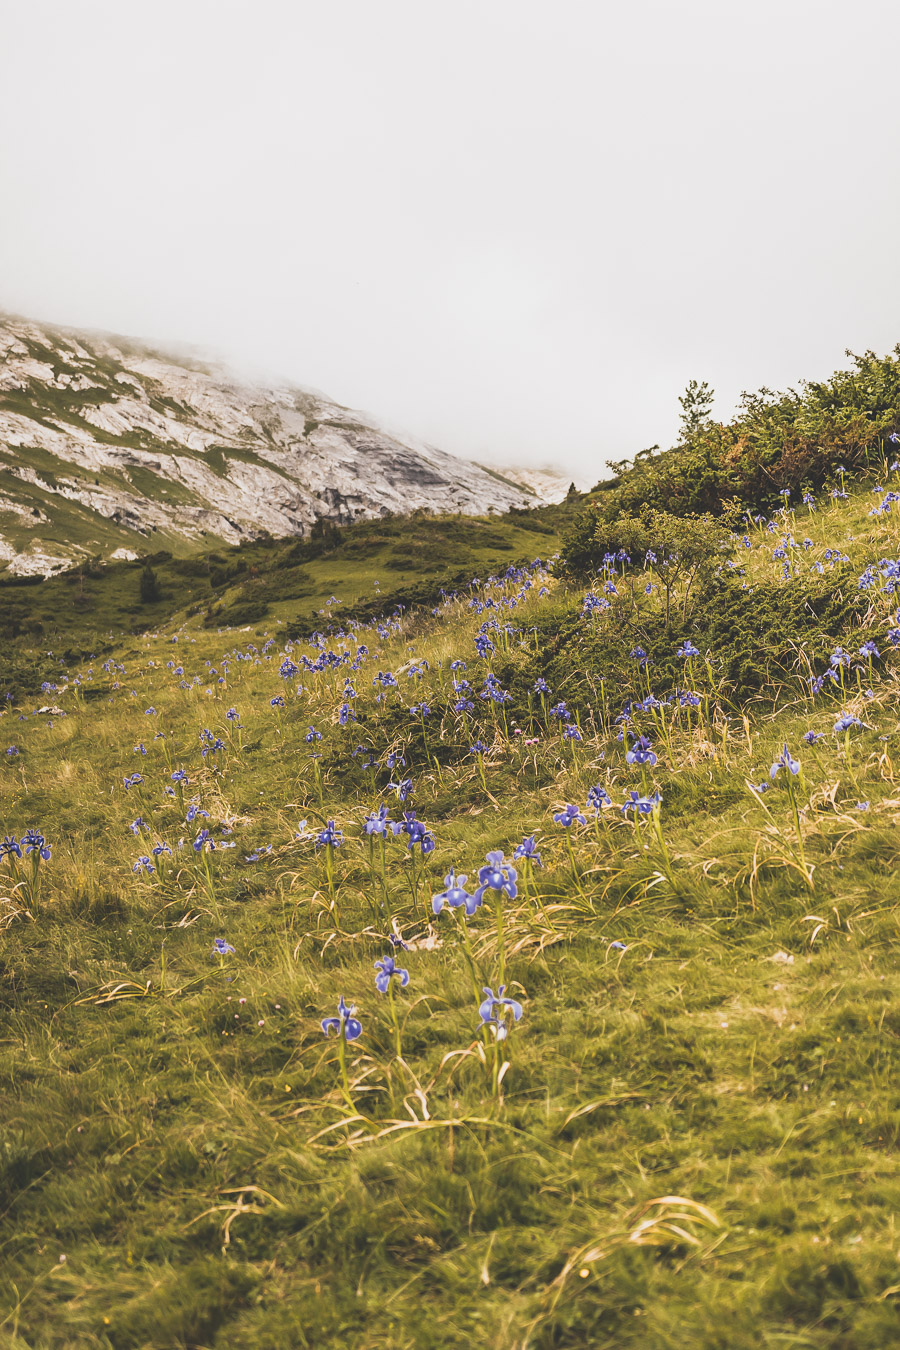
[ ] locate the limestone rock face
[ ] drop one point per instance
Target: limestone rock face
(108, 448)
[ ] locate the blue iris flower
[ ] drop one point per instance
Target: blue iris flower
(455, 894)
(492, 1011)
(329, 835)
(846, 721)
(687, 649)
(598, 797)
(528, 850)
(345, 1024)
(811, 737)
(143, 863)
(221, 948)
(10, 847)
(386, 969)
(785, 761)
(36, 843)
(641, 805)
(378, 822)
(569, 816)
(641, 752)
(498, 875)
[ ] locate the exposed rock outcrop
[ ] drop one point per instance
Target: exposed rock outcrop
(106, 446)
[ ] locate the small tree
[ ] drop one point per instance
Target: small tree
(696, 408)
(150, 591)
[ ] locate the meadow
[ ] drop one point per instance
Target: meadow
(516, 966)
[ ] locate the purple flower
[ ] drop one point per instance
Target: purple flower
(386, 969)
(597, 798)
(568, 817)
(329, 836)
(498, 875)
(36, 843)
(493, 1012)
(345, 1024)
(641, 752)
(528, 851)
(454, 894)
(641, 805)
(785, 761)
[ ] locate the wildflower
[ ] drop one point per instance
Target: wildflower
(312, 735)
(395, 758)
(13, 750)
(568, 816)
(277, 702)
(134, 781)
(143, 863)
(454, 894)
(528, 851)
(403, 789)
(378, 822)
(137, 825)
(641, 752)
(811, 737)
(862, 806)
(479, 748)
(36, 843)
(10, 847)
(203, 838)
(597, 798)
(638, 654)
(560, 710)
(329, 836)
(221, 948)
(417, 832)
(345, 1024)
(233, 715)
(492, 1012)
(641, 805)
(386, 969)
(159, 848)
(785, 761)
(498, 875)
(869, 649)
(687, 649)
(541, 686)
(179, 776)
(846, 721)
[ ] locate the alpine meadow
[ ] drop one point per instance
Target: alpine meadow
(446, 929)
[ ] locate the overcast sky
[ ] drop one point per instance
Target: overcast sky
(513, 228)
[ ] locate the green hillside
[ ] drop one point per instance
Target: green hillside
(648, 789)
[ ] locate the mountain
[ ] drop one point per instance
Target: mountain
(110, 448)
(546, 484)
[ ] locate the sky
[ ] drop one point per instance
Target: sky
(513, 229)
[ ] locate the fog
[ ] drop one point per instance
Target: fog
(514, 230)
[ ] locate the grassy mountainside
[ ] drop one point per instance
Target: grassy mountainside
(686, 1137)
(364, 569)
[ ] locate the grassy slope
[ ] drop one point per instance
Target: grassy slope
(190, 1155)
(285, 580)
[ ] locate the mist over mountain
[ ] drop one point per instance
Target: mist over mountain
(111, 448)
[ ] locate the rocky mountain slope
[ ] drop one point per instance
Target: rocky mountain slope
(109, 448)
